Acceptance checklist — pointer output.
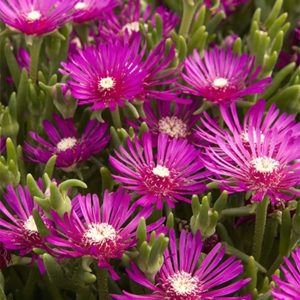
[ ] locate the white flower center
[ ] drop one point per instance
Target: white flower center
(245, 137)
(66, 143)
(80, 5)
(265, 164)
(183, 284)
(220, 82)
(161, 171)
(131, 27)
(173, 126)
(106, 83)
(29, 225)
(99, 233)
(34, 15)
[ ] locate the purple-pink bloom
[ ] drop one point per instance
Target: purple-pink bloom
(174, 119)
(170, 174)
(36, 17)
(261, 156)
(288, 286)
(127, 21)
(18, 231)
(228, 5)
(181, 278)
(103, 233)
(221, 76)
(65, 142)
(87, 10)
(2, 145)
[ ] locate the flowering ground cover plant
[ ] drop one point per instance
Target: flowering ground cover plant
(149, 149)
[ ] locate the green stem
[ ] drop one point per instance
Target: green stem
(116, 118)
(102, 284)
(35, 57)
(260, 223)
(189, 8)
(275, 265)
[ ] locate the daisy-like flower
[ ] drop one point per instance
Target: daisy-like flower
(174, 119)
(221, 76)
(106, 76)
(128, 20)
(181, 278)
(110, 74)
(36, 17)
(103, 233)
(255, 120)
(254, 158)
(170, 174)
(65, 142)
(18, 231)
(87, 10)
(228, 5)
(288, 287)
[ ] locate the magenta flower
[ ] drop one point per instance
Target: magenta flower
(103, 233)
(87, 10)
(65, 142)
(2, 145)
(180, 277)
(222, 77)
(174, 119)
(255, 120)
(18, 231)
(170, 174)
(288, 287)
(260, 157)
(36, 17)
(228, 5)
(106, 76)
(128, 21)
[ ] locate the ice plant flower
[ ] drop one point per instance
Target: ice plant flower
(171, 174)
(65, 142)
(255, 120)
(128, 21)
(174, 119)
(87, 10)
(107, 75)
(266, 163)
(103, 233)
(18, 231)
(288, 287)
(36, 17)
(221, 76)
(228, 5)
(181, 278)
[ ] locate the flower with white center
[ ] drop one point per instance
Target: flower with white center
(183, 284)
(265, 164)
(66, 144)
(161, 171)
(80, 5)
(106, 83)
(100, 233)
(33, 15)
(30, 225)
(220, 82)
(173, 126)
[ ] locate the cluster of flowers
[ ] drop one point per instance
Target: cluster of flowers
(175, 159)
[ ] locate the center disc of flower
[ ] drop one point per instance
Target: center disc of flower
(220, 82)
(173, 126)
(265, 164)
(80, 5)
(29, 225)
(66, 143)
(33, 15)
(182, 284)
(106, 83)
(131, 27)
(161, 171)
(99, 233)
